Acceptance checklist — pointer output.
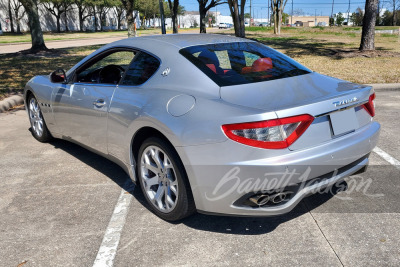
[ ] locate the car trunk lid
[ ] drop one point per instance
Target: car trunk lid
(335, 104)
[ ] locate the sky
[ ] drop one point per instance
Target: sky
(309, 7)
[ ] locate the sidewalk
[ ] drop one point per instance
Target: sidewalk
(16, 47)
(13, 48)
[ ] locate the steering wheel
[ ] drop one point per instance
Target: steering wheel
(111, 74)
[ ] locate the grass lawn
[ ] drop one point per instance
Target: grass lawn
(334, 51)
(17, 69)
(7, 38)
(330, 51)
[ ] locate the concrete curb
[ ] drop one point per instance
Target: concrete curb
(10, 102)
(386, 86)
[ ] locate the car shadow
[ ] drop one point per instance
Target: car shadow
(210, 223)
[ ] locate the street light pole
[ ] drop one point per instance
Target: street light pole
(269, 15)
(291, 19)
(163, 31)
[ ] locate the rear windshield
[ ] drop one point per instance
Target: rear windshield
(242, 62)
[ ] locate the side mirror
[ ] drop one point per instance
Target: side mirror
(58, 76)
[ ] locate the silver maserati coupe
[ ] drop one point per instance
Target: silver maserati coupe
(209, 123)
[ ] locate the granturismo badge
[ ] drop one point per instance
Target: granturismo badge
(344, 102)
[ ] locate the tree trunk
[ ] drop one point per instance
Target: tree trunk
(18, 20)
(18, 27)
(11, 17)
(95, 19)
(174, 23)
(202, 12)
(130, 17)
(368, 29)
(237, 17)
(279, 20)
(66, 20)
(80, 15)
(34, 25)
(119, 21)
(58, 24)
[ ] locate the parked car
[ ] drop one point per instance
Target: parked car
(222, 26)
(263, 24)
(208, 122)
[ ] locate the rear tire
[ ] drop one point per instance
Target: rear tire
(163, 180)
(38, 125)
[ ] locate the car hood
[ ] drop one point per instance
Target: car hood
(291, 92)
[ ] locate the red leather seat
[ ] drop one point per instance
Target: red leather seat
(262, 64)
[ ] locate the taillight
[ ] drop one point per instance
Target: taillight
(272, 134)
(370, 106)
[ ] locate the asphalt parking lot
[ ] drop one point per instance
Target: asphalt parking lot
(57, 199)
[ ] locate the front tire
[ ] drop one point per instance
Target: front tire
(163, 180)
(38, 125)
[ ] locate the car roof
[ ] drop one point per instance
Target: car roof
(180, 41)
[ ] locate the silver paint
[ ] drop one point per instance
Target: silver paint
(106, 118)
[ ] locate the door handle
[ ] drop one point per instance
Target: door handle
(99, 103)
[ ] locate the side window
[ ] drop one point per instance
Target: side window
(108, 69)
(141, 69)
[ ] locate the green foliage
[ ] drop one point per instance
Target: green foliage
(331, 21)
(319, 27)
(339, 19)
(357, 17)
(285, 18)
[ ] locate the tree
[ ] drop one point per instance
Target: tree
(67, 7)
(387, 18)
(56, 8)
(31, 7)
(129, 6)
(210, 19)
(368, 29)
(277, 7)
(19, 13)
(237, 13)
(173, 7)
(247, 16)
(285, 18)
(394, 3)
(357, 17)
(339, 19)
(119, 13)
(10, 14)
(204, 8)
(331, 21)
(102, 7)
(83, 11)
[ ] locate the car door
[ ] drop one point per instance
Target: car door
(128, 100)
(81, 107)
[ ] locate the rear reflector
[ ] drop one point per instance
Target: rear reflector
(271, 134)
(370, 106)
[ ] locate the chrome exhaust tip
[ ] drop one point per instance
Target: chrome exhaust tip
(278, 198)
(260, 200)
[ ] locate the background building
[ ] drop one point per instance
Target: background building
(309, 21)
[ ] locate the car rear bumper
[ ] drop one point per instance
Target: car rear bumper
(223, 174)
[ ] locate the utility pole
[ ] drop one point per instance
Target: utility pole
(315, 23)
(163, 31)
(250, 14)
(269, 16)
(333, 2)
(348, 14)
(291, 19)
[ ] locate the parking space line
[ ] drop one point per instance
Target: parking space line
(106, 254)
(387, 157)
